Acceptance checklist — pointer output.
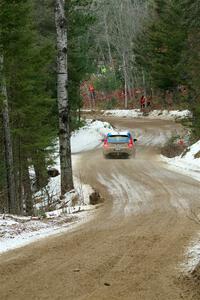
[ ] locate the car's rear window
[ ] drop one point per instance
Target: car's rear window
(118, 139)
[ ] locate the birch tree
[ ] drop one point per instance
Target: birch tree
(62, 95)
(7, 142)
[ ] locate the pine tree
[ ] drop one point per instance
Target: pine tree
(26, 62)
(7, 141)
(191, 60)
(28, 37)
(166, 40)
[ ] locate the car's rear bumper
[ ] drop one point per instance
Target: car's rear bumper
(122, 151)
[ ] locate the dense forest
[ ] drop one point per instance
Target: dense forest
(151, 45)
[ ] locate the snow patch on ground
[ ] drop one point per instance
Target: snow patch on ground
(51, 192)
(86, 138)
(14, 234)
(192, 256)
(89, 137)
(154, 114)
(18, 231)
(186, 163)
(132, 113)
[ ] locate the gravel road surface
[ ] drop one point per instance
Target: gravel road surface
(132, 249)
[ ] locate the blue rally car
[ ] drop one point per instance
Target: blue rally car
(119, 143)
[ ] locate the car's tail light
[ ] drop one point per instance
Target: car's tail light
(105, 144)
(130, 144)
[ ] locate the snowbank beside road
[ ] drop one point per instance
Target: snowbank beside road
(154, 114)
(17, 233)
(169, 114)
(132, 113)
(89, 136)
(86, 138)
(73, 210)
(192, 256)
(188, 162)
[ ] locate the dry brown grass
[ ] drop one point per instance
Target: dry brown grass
(172, 149)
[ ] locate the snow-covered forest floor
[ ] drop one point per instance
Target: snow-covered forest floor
(74, 209)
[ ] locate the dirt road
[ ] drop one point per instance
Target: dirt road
(132, 249)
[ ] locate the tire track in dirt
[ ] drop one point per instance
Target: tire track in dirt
(130, 251)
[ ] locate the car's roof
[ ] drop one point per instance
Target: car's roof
(126, 133)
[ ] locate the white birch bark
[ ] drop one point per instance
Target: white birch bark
(62, 95)
(8, 143)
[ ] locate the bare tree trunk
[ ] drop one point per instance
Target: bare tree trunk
(8, 144)
(63, 101)
(144, 87)
(27, 189)
(108, 42)
(19, 175)
(40, 169)
(125, 83)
